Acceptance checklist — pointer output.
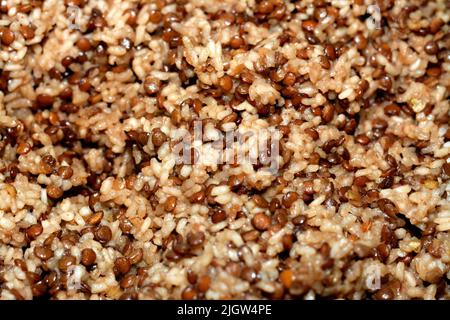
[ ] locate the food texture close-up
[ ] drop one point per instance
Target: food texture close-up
(224, 149)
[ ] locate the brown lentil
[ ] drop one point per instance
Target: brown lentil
(122, 265)
(103, 234)
(27, 32)
(198, 197)
(309, 25)
(195, 239)
(218, 216)
(84, 44)
(387, 206)
(289, 198)
(226, 83)
(236, 42)
(43, 253)
(95, 218)
(362, 139)
(158, 137)
(34, 231)
(88, 257)
(392, 110)
(170, 203)
(189, 293)
(54, 192)
(203, 283)
(260, 201)
(261, 221)
(431, 47)
(44, 100)
(66, 262)
(7, 36)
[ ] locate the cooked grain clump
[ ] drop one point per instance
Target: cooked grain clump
(94, 96)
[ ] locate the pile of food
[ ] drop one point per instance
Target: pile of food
(96, 95)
